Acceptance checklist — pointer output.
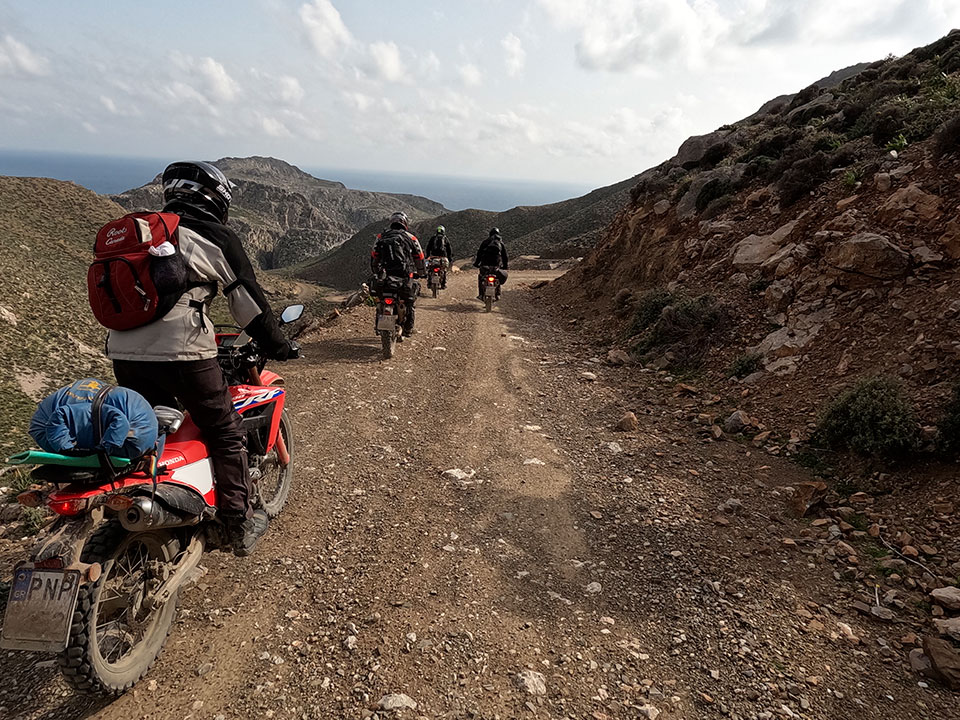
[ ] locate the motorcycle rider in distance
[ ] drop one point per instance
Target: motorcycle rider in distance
(175, 358)
(491, 255)
(384, 262)
(439, 246)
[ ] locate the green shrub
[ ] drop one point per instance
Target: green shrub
(947, 138)
(872, 418)
(851, 178)
(687, 327)
(899, 143)
(649, 307)
(712, 190)
(802, 177)
(948, 429)
(745, 364)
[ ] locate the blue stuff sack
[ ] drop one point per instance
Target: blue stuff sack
(64, 422)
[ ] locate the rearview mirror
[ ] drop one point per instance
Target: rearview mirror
(291, 314)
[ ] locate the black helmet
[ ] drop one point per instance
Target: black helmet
(495, 231)
(400, 218)
(198, 185)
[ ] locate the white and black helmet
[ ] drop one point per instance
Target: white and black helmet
(400, 218)
(199, 185)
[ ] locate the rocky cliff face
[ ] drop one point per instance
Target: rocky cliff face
(825, 228)
(286, 216)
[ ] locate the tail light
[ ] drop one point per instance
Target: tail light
(74, 506)
(388, 301)
(54, 563)
(491, 279)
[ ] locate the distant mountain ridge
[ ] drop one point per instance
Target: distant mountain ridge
(285, 215)
(563, 229)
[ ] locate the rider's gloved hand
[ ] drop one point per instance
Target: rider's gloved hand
(287, 350)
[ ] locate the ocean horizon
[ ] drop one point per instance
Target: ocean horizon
(106, 175)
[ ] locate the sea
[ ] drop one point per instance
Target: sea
(105, 174)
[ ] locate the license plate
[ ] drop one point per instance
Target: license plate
(40, 610)
(489, 291)
(386, 322)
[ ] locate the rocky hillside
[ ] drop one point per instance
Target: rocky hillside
(49, 334)
(825, 229)
(286, 216)
(558, 230)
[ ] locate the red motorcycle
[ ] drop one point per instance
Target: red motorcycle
(101, 588)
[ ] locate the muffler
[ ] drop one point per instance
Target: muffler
(145, 514)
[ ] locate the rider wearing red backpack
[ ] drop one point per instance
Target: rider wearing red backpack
(397, 253)
(173, 357)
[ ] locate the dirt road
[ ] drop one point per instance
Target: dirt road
(591, 560)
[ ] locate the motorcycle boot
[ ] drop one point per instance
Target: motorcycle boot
(244, 533)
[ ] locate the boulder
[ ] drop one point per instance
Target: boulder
(752, 252)
(910, 204)
(532, 681)
(866, 259)
(944, 661)
(779, 295)
(694, 148)
(949, 627)
(395, 702)
(628, 423)
(687, 207)
(883, 182)
(922, 254)
(661, 207)
(951, 239)
(737, 422)
(948, 597)
(818, 107)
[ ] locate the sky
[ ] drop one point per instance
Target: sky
(581, 91)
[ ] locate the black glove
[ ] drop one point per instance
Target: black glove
(287, 350)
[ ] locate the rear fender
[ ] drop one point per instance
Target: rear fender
(66, 538)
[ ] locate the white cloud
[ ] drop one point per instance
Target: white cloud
(645, 35)
(109, 104)
(470, 74)
(387, 63)
(359, 100)
(218, 84)
(274, 128)
(325, 28)
(514, 55)
(290, 90)
(17, 58)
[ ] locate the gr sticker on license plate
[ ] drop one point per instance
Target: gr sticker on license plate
(40, 610)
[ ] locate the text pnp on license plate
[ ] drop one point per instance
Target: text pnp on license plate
(40, 610)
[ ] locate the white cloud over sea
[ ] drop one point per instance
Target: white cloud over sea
(586, 91)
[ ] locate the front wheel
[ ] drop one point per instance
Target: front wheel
(275, 482)
(116, 634)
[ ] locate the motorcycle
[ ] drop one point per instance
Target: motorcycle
(391, 313)
(490, 284)
(436, 274)
(101, 588)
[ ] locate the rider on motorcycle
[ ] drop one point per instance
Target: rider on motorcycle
(491, 255)
(439, 246)
(175, 358)
(406, 265)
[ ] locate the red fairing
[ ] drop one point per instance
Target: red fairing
(246, 397)
(185, 446)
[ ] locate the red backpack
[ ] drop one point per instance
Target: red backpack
(128, 285)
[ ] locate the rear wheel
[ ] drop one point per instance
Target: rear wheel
(435, 291)
(388, 342)
(116, 637)
(488, 303)
(275, 481)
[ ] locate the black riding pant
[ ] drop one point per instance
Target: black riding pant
(201, 389)
(409, 295)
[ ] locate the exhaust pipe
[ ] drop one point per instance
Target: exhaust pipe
(145, 515)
